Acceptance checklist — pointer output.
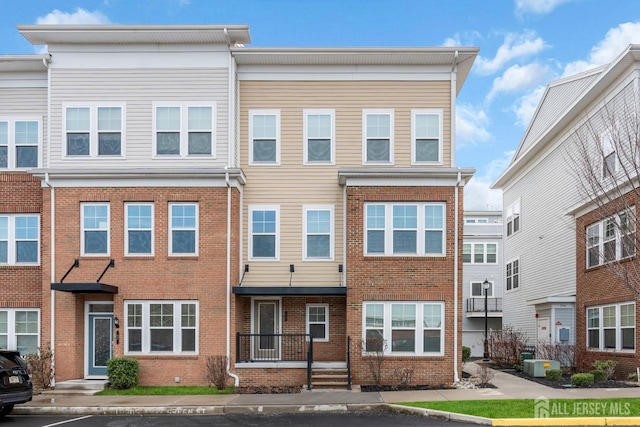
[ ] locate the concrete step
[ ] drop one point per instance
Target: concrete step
(82, 385)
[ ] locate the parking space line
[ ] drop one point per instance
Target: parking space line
(68, 421)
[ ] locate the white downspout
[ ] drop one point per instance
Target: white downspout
(52, 297)
(236, 379)
(456, 378)
(344, 235)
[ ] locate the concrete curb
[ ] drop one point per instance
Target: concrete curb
(578, 421)
(451, 416)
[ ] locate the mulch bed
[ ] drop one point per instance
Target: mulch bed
(373, 388)
(565, 381)
(268, 389)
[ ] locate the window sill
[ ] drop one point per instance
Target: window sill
(163, 356)
(183, 257)
(375, 257)
(623, 353)
(21, 266)
(139, 257)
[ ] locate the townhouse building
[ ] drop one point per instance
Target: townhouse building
(275, 206)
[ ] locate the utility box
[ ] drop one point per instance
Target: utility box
(538, 367)
(523, 357)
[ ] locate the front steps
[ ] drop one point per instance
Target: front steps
(86, 387)
(329, 376)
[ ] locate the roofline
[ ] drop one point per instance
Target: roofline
(399, 173)
(35, 62)
(356, 49)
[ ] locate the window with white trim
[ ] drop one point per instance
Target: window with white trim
(264, 137)
(377, 136)
(611, 239)
(19, 239)
(94, 233)
(138, 229)
(20, 330)
(318, 232)
(183, 229)
(319, 137)
(609, 154)
(480, 253)
(165, 327)
(476, 221)
(426, 136)
(19, 144)
(264, 232)
(318, 321)
(94, 131)
(612, 327)
(405, 229)
(513, 218)
(403, 328)
(513, 274)
(477, 289)
(184, 130)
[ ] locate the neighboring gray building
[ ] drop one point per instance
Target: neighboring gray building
(482, 257)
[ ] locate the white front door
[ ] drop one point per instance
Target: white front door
(544, 331)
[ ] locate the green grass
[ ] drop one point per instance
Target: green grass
(525, 408)
(164, 391)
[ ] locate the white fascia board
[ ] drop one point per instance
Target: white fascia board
(343, 72)
(553, 299)
(139, 60)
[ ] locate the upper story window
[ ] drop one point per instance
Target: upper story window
(426, 129)
(264, 137)
(513, 274)
(612, 238)
(404, 229)
(19, 239)
(480, 253)
(94, 131)
(318, 233)
(476, 221)
(184, 130)
(94, 235)
(138, 229)
(609, 154)
(377, 134)
(264, 232)
(319, 137)
(183, 229)
(513, 218)
(19, 144)
(477, 289)
(612, 327)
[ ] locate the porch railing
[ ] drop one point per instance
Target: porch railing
(476, 305)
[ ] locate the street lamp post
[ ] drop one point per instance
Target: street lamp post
(485, 286)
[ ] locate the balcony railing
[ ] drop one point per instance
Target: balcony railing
(476, 305)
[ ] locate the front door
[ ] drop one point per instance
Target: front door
(544, 332)
(99, 339)
(266, 345)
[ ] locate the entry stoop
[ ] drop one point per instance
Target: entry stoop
(88, 387)
(329, 376)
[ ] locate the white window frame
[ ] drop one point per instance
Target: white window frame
(419, 327)
(618, 327)
(485, 246)
(127, 205)
(12, 239)
(12, 335)
(196, 229)
(596, 238)
(82, 229)
(421, 229)
(490, 293)
(414, 136)
(184, 129)
(12, 146)
(253, 208)
(332, 136)
(276, 114)
(508, 283)
(146, 327)
(514, 220)
(476, 221)
(305, 233)
(325, 307)
(94, 132)
(365, 117)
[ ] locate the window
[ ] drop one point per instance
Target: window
(318, 233)
(19, 330)
(264, 233)
(161, 327)
(19, 239)
(612, 327)
(404, 327)
(318, 321)
(404, 229)
(609, 155)
(19, 144)
(426, 126)
(513, 274)
(184, 130)
(477, 289)
(319, 137)
(94, 237)
(513, 218)
(183, 229)
(377, 131)
(476, 221)
(138, 229)
(609, 165)
(264, 137)
(480, 253)
(94, 131)
(611, 239)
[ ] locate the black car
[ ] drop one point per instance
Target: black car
(15, 384)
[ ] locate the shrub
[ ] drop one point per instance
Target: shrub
(632, 377)
(466, 354)
(553, 374)
(582, 380)
(609, 366)
(506, 345)
(485, 375)
(373, 354)
(123, 372)
(40, 367)
(598, 375)
(404, 375)
(563, 353)
(217, 371)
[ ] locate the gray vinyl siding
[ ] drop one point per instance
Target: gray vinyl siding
(567, 318)
(139, 89)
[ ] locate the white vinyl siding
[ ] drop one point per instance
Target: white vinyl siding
(20, 330)
(264, 137)
(612, 327)
(318, 224)
(184, 130)
(20, 143)
(139, 236)
(94, 229)
(426, 137)
(19, 239)
(94, 130)
(377, 137)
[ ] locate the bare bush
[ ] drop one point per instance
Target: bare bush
(404, 376)
(485, 375)
(217, 371)
(373, 353)
(506, 345)
(563, 353)
(40, 367)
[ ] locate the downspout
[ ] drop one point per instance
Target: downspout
(454, 71)
(454, 84)
(236, 379)
(344, 235)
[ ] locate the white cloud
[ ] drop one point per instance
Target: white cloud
(615, 41)
(514, 46)
(452, 41)
(519, 77)
(525, 106)
(477, 194)
(471, 125)
(537, 6)
(79, 17)
(466, 38)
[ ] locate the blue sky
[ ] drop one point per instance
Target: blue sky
(524, 44)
